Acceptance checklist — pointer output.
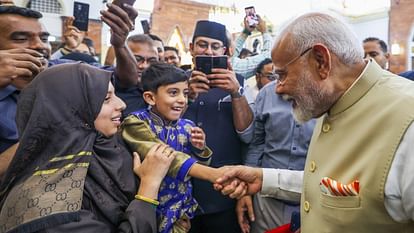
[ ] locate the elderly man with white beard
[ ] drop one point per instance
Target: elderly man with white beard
(358, 173)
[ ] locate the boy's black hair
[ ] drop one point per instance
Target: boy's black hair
(161, 74)
(22, 11)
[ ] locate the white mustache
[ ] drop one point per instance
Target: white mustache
(287, 97)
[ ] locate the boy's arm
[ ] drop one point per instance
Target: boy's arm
(140, 138)
(202, 156)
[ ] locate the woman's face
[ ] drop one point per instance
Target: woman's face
(109, 118)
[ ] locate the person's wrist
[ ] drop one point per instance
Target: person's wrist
(149, 188)
(119, 46)
(152, 201)
(246, 32)
(238, 93)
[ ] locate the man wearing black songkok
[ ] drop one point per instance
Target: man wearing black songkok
(221, 109)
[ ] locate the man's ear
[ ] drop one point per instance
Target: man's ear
(323, 60)
(387, 56)
(149, 97)
(191, 45)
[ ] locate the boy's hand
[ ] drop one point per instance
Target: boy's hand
(198, 138)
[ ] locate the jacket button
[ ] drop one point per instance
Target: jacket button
(201, 103)
(326, 127)
(199, 124)
(312, 166)
(306, 206)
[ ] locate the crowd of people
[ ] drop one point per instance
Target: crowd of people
(308, 134)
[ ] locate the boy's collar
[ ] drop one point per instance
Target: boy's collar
(159, 120)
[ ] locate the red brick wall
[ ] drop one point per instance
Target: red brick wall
(400, 26)
(168, 14)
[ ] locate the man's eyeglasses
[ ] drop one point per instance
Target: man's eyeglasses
(270, 76)
(281, 74)
(149, 60)
(204, 46)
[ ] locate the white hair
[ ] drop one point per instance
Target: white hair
(309, 29)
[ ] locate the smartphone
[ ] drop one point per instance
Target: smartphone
(205, 63)
(120, 3)
(251, 16)
(81, 14)
(145, 26)
(295, 221)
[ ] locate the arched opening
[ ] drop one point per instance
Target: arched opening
(176, 40)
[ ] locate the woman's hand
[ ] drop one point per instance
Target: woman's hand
(153, 169)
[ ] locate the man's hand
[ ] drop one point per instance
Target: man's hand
(198, 84)
(120, 21)
(224, 79)
(18, 65)
(72, 35)
(229, 184)
(153, 169)
(246, 25)
(198, 138)
(245, 213)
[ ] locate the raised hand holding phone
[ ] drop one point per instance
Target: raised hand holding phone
(120, 22)
(251, 16)
(73, 36)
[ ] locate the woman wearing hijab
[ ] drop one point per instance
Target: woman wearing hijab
(71, 173)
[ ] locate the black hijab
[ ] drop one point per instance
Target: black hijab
(61, 151)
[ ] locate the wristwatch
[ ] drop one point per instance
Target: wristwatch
(239, 93)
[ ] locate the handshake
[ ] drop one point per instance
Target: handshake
(238, 181)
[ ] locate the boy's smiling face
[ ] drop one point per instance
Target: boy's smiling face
(169, 101)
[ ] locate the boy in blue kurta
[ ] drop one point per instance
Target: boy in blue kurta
(165, 90)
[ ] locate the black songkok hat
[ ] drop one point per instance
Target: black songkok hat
(211, 29)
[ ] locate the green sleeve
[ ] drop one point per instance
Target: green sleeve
(140, 138)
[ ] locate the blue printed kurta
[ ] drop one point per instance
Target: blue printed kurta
(175, 195)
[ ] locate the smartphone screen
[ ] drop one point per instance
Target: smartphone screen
(81, 14)
(145, 26)
(251, 16)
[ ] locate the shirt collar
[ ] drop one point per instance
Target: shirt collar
(158, 120)
(370, 75)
